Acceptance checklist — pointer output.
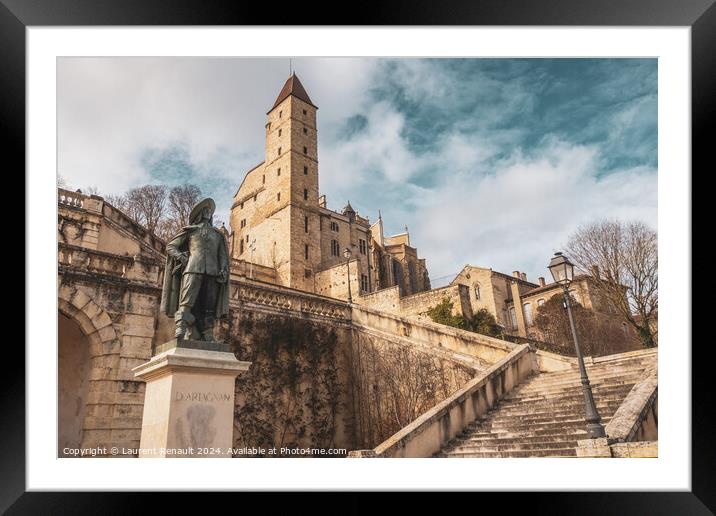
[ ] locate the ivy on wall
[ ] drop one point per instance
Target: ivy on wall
(291, 394)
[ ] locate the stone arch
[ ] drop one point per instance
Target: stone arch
(94, 321)
(82, 360)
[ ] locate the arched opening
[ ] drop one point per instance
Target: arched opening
(73, 365)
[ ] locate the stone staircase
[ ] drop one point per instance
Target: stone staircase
(544, 416)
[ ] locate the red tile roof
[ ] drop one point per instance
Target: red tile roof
(293, 87)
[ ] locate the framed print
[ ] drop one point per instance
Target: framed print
(438, 245)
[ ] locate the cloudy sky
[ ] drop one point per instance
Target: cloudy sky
(492, 162)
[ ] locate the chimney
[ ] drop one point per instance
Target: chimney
(516, 274)
(523, 276)
(541, 281)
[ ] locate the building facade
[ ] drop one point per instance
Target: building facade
(513, 300)
(280, 221)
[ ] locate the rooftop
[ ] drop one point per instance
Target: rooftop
(293, 87)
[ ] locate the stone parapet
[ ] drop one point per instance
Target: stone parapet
(286, 301)
(90, 261)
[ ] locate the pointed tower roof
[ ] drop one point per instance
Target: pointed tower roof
(293, 87)
(348, 209)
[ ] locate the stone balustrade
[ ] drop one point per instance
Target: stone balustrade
(285, 301)
(433, 430)
(89, 261)
(636, 417)
(484, 348)
(69, 198)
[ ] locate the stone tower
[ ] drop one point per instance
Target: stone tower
(292, 152)
(277, 204)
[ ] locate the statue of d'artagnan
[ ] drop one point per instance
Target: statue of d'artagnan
(196, 290)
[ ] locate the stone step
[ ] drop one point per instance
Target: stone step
(512, 426)
(533, 402)
(544, 417)
(517, 446)
(546, 388)
(492, 439)
(599, 372)
(530, 419)
(554, 408)
(553, 452)
(577, 380)
(569, 395)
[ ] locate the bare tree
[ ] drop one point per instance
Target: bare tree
(147, 205)
(599, 334)
(622, 260)
(181, 200)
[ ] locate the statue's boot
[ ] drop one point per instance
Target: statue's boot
(180, 331)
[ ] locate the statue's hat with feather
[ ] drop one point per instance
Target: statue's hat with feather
(198, 207)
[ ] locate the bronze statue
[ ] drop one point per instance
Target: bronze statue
(196, 278)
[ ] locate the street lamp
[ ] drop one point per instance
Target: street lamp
(347, 254)
(252, 247)
(563, 273)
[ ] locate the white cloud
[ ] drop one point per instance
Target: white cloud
(517, 216)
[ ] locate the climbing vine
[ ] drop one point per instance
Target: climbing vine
(290, 396)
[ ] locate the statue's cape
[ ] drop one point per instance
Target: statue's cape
(172, 280)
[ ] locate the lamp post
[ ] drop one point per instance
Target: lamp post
(563, 273)
(252, 246)
(347, 254)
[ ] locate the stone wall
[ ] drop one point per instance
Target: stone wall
(416, 305)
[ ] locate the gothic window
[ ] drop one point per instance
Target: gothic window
(362, 247)
(334, 226)
(305, 224)
(513, 318)
(241, 247)
(477, 291)
(305, 171)
(305, 194)
(411, 277)
(364, 283)
(305, 131)
(305, 112)
(305, 150)
(398, 277)
(305, 251)
(335, 248)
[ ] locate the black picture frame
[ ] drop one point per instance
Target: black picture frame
(700, 15)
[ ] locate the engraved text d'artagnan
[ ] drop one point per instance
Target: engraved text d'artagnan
(206, 397)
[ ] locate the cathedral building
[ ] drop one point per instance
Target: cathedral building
(280, 221)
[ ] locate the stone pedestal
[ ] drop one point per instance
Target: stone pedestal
(189, 400)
